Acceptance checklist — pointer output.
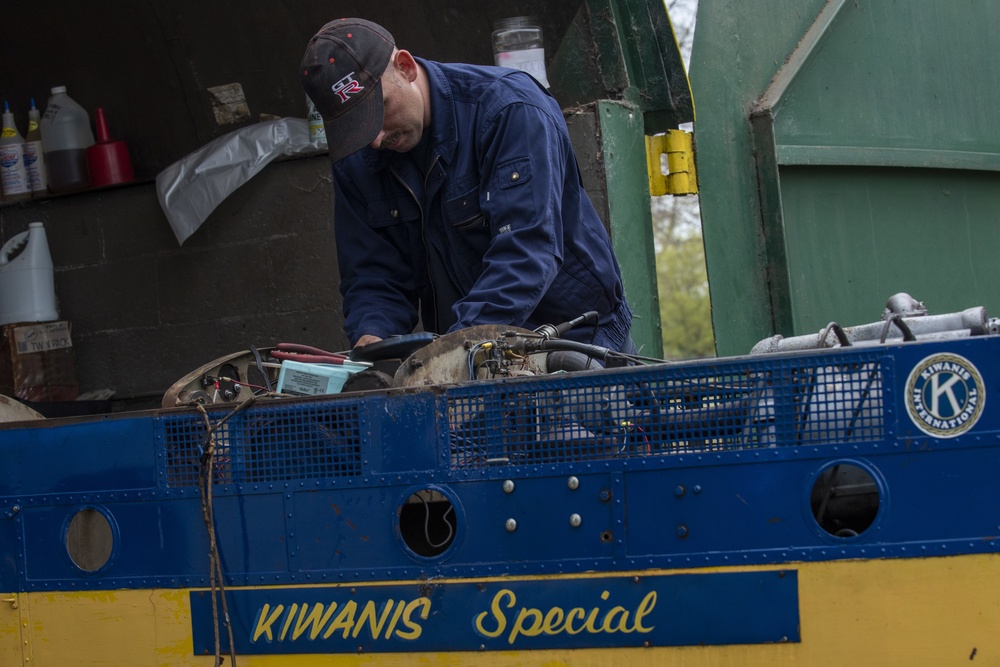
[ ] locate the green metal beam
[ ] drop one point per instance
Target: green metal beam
(876, 156)
(657, 79)
(631, 221)
(620, 58)
(624, 50)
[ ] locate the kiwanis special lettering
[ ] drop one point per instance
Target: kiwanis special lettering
(402, 619)
(532, 621)
(389, 619)
(516, 615)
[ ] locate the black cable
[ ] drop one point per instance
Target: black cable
(260, 367)
(427, 522)
(528, 344)
(593, 337)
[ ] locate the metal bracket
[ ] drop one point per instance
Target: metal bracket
(681, 177)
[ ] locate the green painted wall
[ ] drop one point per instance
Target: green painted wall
(737, 50)
(929, 232)
(846, 150)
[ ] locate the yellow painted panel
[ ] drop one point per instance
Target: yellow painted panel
(931, 611)
(148, 627)
(10, 629)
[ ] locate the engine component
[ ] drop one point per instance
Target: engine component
(478, 352)
(368, 379)
(904, 318)
(228, 372)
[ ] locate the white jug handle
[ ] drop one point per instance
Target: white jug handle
(11, 247)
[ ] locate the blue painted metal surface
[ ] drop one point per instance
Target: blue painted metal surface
(698, 464)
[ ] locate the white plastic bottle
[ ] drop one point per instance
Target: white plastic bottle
(317, 129)
(27, 283)
(66, 135)
(34, 156)
(13, 177)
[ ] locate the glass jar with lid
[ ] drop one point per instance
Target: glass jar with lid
(518, 43)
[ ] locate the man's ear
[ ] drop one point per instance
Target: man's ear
(405, 65)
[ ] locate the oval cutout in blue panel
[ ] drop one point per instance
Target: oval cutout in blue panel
(845, 498)
(428, 521)
(90, 539)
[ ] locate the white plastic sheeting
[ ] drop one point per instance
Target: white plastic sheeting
(191, 188)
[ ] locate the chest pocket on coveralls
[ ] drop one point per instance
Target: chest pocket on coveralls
(463, 212)
(393, 211)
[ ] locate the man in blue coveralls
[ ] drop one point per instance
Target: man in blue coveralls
(458, 198)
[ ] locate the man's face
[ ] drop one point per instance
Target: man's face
(403, 119)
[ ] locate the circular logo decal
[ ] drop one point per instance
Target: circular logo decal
(945, 395)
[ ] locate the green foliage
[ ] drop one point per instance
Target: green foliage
(682, 280)
(685, 309)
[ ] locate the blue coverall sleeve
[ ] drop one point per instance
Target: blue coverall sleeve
(524, 152)
(376, 278)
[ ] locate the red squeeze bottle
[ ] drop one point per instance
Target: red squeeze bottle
(108, 160)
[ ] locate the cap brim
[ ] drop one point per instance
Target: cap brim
(356, 128)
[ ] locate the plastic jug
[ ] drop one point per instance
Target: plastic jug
(27, 283)
(66, 135)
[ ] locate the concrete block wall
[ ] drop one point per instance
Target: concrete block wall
(145, 311)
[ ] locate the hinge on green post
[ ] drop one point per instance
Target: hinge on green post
(680, 178)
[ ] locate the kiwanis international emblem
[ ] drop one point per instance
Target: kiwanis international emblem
(945, 395)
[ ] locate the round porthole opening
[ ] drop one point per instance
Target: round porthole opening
(427, 522)
(845, 500)
(90, 539)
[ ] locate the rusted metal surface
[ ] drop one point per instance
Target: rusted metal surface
(446, 360)
(12, 410)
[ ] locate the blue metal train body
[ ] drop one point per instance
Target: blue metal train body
(658, 506)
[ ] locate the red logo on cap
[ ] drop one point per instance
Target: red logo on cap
(347, 87)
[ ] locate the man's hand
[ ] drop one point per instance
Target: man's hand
(367, 339)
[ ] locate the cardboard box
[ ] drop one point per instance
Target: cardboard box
(37, 362)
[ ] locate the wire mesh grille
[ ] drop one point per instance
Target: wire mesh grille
(267, 444)
(744, 404)
(747, 403)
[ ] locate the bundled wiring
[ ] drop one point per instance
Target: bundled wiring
(497, 357)
(205, 484)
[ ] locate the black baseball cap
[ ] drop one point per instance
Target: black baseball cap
(342, 74)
